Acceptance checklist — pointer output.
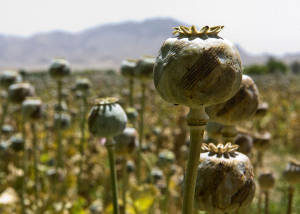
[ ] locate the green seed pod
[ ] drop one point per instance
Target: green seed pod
(245, 143)
(261, 142)
(132, 114)
(19, 91)
(166, 158)
(262, 110)
(292, 173)
(126, 142)
(83, 85)
(62, 121)
(8, 78)
(32, 108)
(107, 118)
(266, 181)
(225, 181)
(17, 143)
(240, 107)
(128, 68)
(144, 68)
(197, 68)
(59, 69)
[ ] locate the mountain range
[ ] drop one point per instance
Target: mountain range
(99, 47)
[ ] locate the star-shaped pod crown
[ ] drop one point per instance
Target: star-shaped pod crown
(220, 149)
(193, 31)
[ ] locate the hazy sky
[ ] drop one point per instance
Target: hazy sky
(257, 25)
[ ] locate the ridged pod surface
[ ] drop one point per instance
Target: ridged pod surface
(107, 118)
(225, 181)
(240, 107)
(197, 68)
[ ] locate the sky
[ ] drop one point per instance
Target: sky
(259, 26)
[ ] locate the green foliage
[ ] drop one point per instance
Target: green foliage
(272, 66)
(256, 69)
(276, 66)
(295, 67)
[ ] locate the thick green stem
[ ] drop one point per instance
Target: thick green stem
(197, 119)
(141, 133)
(111, 156)
(124, 186)
(3, 116)
(266, 202)
(58, 129)
(82, 138)
(35, 161)
(131, 91)
(290, 199)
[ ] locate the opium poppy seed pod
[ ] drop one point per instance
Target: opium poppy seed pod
(62, 121)
(17, 143)
(59, 69)
(128, 68)
(8, 78)
(144, 68)
(32, 108)
(83, 84)
(213, 130)
(266, 181)
(126, 142)
(261, 142)
(107, 118)
(166, 158)
(7, 129)
(292, 173)
(225, 181)
(197, 67)
(19, 91)
(132, 114)
(262, 110)
(245, 143)
(240, 107)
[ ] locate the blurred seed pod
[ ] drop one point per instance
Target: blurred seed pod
(261, 142)
(266, 181)
(132, 114)
(23, 73)
(245, 143)
(17, 143)
(225, 181)
(19, 91)
(62, 121)
(4, 145)
(213, 130)
(107, 118)
(83, 85)
(292, 173)
(156, 175)
(7, 129)
(32, 108)
(56, 175)
(96, 207)
(240, 107)
(59, 69)
(262, 110)
(8, 78)
(166, 158)
(197, 68)
(144, 68)
(60, 107)
(128, 68)
(126, 142)
(130, 166)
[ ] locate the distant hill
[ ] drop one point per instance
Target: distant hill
(102, 46)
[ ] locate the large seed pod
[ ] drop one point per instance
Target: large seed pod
(245, 143)
(144, 68)
(126, 142)
(8, 78)
(266, 181)
(59, 69)
(83, 85)
(32, 108)
(292, 173)
(19, 91)
(107, 118)
(197, 68)
(128, 68)
(240, 107)
(225, 181)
